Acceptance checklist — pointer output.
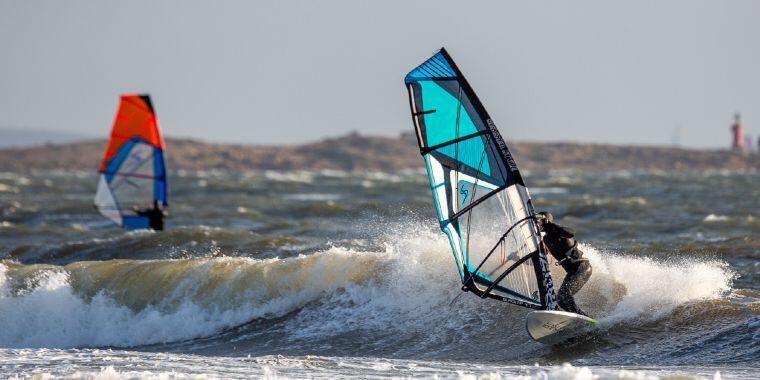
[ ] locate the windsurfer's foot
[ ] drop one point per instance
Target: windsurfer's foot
(581, 312)
(572, 308)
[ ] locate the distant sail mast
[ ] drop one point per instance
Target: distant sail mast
(480, 198)
(133, 171)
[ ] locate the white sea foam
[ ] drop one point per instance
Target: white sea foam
(8, 189)
(715, 218)
(131, 365)
(289, 176)
(548, 190)
(745, 219)
(312, 197)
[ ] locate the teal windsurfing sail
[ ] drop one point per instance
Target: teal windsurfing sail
(482, 203)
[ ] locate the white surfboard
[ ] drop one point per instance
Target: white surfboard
(554, 326)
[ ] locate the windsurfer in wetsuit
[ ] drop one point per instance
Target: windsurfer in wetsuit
(155, 216)
(564, 248)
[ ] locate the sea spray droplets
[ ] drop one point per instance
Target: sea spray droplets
(653, 288)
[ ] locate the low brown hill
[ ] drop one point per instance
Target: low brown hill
(355, 152)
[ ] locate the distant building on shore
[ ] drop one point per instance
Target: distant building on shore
(738, 131)
(675, 138)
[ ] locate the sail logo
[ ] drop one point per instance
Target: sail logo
(551, 298)
(502, 145)
(464, 193)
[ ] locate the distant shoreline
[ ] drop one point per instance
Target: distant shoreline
(355, 152)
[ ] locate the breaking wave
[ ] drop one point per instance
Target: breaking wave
(397, 299)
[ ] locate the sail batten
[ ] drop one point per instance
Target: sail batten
(133, 170)
(481, 201)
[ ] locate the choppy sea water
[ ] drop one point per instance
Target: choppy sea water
(331, 274)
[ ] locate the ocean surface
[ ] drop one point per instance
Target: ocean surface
(332, 274)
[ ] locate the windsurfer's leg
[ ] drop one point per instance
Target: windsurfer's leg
(573, 283)
(157, 221)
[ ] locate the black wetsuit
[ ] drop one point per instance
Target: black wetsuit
(562, 245)
(155, 217)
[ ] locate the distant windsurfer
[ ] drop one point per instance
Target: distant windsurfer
(155, 216)
(562, 245)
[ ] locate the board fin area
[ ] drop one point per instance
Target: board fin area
(553, 326)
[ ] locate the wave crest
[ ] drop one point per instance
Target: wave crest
(397, 299)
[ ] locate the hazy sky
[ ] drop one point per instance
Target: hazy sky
(295, 71)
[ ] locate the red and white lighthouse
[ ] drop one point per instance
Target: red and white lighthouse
(737, 130)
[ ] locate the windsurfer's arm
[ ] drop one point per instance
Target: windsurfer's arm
(546, 223)
(561, 231)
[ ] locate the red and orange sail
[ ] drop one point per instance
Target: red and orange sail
(135, 118)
